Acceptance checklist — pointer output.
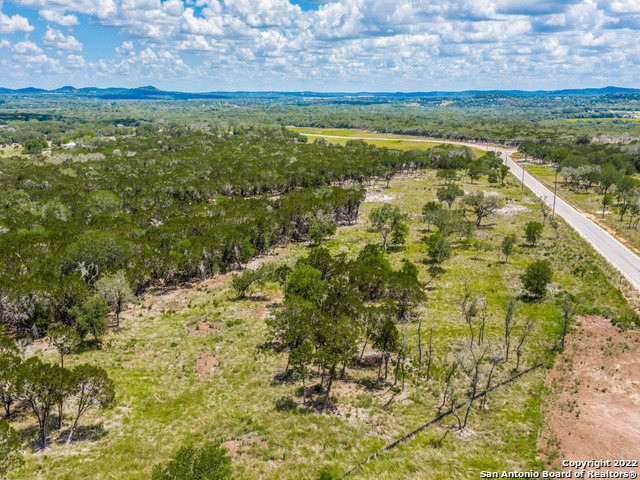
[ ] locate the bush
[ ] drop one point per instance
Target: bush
(210, 462)
(10, 456)
(91, 318)
(533, 232)
(536, 277)
(243, 282)
(439, 247)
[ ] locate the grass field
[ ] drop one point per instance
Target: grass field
(397, 142)
(187, 369)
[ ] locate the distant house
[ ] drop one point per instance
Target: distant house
(71, 144)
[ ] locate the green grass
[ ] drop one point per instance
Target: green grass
(393, 141)
(603, 119)
(162, 401)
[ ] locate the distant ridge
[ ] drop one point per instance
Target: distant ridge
(150, 92)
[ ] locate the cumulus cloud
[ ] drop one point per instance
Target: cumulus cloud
(27, 47)
(55, 39)
(14, 23)
(362, 44)
(58, 17)
(75, 61)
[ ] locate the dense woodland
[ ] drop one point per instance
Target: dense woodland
(171, 208)
(503, 118)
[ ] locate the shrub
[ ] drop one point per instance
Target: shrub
(536, 277)
(210, 462)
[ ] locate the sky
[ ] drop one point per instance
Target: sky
(323, 46)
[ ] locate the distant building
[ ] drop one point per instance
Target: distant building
(71, 144)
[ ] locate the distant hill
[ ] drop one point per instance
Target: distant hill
(150, 92)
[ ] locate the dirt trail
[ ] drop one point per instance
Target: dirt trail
(594, 397)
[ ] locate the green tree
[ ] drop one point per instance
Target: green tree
(475, 171)
(116, 291)
(386, 341)
(42, 386)
(536, 277)
(9, 381)
(321, 227)
(300, 359)
(507, 245)
(399, 235)
(242, 283)
(243, 252)
(91, 387)
(103, 201)
(34, 147)
(609, 176)
(337, 344)
(449, 193)
(305, 282)
(385, 219)
(91, 317)
(504, 171)
(10, 449)
(431, 211)
(439, 248)
(448, 176)
(65, 340)
(97, 251)
(209, 462)
(7, 345)
(533, 232)
(482, 206)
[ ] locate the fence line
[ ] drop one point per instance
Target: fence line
(438, 418)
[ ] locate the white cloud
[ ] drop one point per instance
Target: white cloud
(4, 43)
(57, 40)
(26, 47)
(58, 17)
(75, 61)
(14, 23)
(363, 44)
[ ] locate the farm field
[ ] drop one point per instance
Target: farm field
(187, 365)
(393, 141)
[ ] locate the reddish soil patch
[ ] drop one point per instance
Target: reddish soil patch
(594, 397)
(206, 365)
(260, 312)
(203, 328)
(244, 445)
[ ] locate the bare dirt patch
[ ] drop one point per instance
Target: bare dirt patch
(511, 210)
(260, 312)
(377, 196)
(594, 397)
(244, 445)
(203, 328)
(206, 365)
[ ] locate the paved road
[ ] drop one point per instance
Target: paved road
(623, 259)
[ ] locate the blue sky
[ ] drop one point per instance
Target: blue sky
(340, 45)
